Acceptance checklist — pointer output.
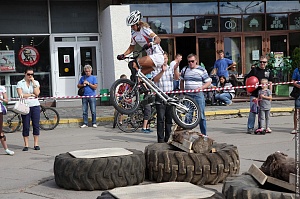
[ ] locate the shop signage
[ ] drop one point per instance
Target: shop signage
(29, 56)
(7, 61)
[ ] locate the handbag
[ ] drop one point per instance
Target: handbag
(295, 92)
(21, 106)
(3, 109)
(81, 90)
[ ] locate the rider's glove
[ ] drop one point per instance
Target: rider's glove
(121, 57)
(147, 46)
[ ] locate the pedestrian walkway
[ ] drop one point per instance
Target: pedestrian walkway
(73, 115)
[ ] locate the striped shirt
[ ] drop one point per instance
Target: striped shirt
(194, 78)
(165, 83)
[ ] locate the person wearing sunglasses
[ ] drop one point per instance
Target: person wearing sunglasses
(29, 88)
(222, 65)
(261, 72)
(196, 77)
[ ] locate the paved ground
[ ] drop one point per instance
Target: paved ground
(29, 175)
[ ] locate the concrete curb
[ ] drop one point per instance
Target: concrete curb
(209, 114)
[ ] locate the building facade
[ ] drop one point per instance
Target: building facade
(58, 37)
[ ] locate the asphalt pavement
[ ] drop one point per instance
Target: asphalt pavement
(29, 175)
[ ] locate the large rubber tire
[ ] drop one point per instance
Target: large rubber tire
(165, 163)
(246, 187)
(194, 113)
(99, 173)
(127, 102)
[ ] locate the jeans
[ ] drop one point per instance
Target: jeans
(92, 102)
(252, 116)
(34, 115)
(164, 122)
(223, 97)
(199, 98)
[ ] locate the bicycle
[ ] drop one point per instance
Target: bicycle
(185, 110)
(130, 123)
(49, 119)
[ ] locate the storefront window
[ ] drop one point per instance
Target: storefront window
(160, 25)
(253, 23)
(151, 9)
(231, 24)
(194, 8)
(295, 21)
(207, 24)
(241, 7)
(183, 25)
(16, 44)
(277, 21)
(283, 6)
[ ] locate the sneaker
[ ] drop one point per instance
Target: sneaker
(9, 152)
(294, 131)
(25, 148)
(229, 104)
(145, 131)
(95, 125)
(250, 131)
(149, 130)
(259, 130)
(83, 126)
(268, 130)
(37, 148)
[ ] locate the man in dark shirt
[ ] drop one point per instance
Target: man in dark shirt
(259, 72)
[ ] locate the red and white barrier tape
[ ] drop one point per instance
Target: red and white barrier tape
(170, 92)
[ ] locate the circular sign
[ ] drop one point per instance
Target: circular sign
(28, 56)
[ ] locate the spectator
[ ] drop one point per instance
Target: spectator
(146, 108)
(226, 95)
(90, 84)
(222, 65)
(259, 72)
(265, 98)
(295, 79)
(175, 63)
(3, 99)
(196, 77)
(163, 78)
(233, 71)
(29, 89)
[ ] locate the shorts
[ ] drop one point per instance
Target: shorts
(158, 59)
(147, 112)
(297, 103)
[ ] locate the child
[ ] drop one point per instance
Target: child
(3, 98)
(265, 98)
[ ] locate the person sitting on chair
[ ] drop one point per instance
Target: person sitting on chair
(227, 94)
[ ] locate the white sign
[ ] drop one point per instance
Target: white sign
(255, 54)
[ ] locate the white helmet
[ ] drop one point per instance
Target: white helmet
(133, 18)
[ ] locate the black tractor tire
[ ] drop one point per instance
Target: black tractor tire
(165, 163)
(99, 173)
(246, 187)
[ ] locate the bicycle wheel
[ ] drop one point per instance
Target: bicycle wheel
(123, 98)
(186, 119)
(11, 122)
(130, 123)
(49, 118)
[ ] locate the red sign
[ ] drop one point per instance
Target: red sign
(29, 56)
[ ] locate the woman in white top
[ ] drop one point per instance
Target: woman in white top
(142, 34)
(29, 89)
(3, 98)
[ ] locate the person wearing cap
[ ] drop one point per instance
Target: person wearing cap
(142, 35)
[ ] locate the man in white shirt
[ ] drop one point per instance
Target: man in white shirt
(175, 64)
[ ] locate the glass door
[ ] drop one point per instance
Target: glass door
(232, 50)
(207, 52)
(253, 51)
